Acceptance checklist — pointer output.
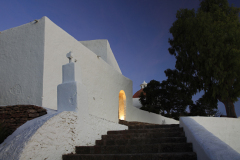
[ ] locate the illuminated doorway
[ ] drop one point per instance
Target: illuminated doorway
(122, 105)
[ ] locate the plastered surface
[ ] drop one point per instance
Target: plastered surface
(103, 82)
(21, 63)
(32, 70)
(135, 114)
(13, 146)
(102, 48)
(136, 103)
(226, 129)
(62, 133)
(213, 138)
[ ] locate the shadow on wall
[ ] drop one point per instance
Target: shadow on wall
(122, 105)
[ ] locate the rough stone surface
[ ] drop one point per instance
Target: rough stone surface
(12, 147)
(115, 148)
(62, 133)
(15, 116)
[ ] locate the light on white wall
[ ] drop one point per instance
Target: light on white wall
(122, 105)
(122, 117)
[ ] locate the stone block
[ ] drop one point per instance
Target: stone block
(8, 109)
(42, 113)
(23, 119)
(16, 108)
(41, 110)
(35, 107)
(32, 111)
(33, 115)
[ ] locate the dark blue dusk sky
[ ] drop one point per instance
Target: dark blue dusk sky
(137, 30)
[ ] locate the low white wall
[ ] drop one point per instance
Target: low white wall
(213, 138)
(135, 114)
(12, 147)
(63, 132)
(136, 103)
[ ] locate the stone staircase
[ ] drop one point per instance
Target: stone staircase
(143, 141)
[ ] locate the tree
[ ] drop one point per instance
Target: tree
(167, 98)
(176, 96)
(205, 106)
(151, 101)
(206, 45)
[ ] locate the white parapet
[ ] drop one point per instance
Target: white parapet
(213, 138)
(136, 103)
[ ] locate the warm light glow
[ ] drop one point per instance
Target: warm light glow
(122, 105)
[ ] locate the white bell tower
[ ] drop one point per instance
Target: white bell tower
(143, 85)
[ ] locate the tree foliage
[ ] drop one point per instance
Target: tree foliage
(166, 98)
(151, 101)
(205, 106)
(206, 44)
(176, 93)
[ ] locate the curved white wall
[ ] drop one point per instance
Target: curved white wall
(136, 103)
(62, 133)
(213, 138)
(13, 146)
(135, 114)
(54, 134)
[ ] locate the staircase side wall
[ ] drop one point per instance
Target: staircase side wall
(213, 137)
(136, 103)
(135, 114)
(21, 64)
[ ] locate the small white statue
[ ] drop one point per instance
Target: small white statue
(69, 56)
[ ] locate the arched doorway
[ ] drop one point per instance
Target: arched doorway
(122, 105)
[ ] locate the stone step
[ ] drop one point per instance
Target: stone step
(127, 149)
(143, 135)
(158, 130)
(153, 156)
(130, 127)
(141, 141)
(133, 123)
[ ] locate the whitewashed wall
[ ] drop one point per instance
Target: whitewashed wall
(136, 103)
(62, 133)
(135, 114)
(32, 56)
(31, 62)
(213, 138)
(21, 64)
(102, 81)
(54, 134)
(102, 48)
